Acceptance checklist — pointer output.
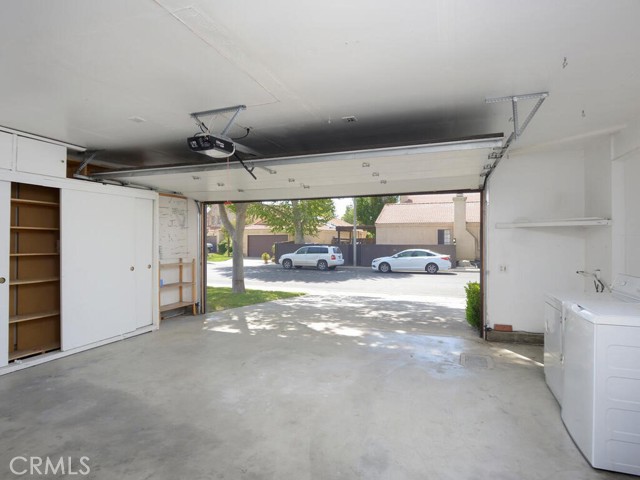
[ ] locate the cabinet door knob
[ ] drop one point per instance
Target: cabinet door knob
(149, 266)
(132, 268)
(2, 279)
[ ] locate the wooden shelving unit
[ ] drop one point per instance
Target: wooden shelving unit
(186, 288)
(34, 271)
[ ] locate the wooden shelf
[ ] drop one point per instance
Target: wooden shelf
(33, 316)
(16, 354)
(34, 275)
(172, 306)
(181, 284)
(567, 222)
(36, 203)
(33, 281)
(176, 284)
(36, 229)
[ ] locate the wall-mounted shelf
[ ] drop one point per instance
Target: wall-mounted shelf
(567, 222)
(185, 299)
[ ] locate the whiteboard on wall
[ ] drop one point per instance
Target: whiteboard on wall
(174, 226)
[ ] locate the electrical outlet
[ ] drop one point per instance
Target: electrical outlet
(503, 268)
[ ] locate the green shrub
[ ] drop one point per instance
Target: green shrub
(474, 311)
(225, 248)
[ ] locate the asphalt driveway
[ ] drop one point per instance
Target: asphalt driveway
(446, 288)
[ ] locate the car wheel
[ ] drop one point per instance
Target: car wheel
(431, 268)
(384, 267)
(287, 263)
(323, 265)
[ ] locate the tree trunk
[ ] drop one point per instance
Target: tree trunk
(297, 222)
(237, 239)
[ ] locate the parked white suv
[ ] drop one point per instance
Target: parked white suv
(323, 257)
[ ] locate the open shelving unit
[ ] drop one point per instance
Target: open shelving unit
(183, 282)
(34, 271)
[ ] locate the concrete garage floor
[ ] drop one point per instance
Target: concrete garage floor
(306, 388)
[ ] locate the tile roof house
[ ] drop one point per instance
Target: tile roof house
(259, 238)
(441, 219)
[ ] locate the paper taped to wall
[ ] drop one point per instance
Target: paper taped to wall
(173, 226)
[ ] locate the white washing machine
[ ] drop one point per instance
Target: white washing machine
(601, 377)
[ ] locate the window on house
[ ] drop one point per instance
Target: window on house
(444, 237)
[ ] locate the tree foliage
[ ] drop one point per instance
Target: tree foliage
(296, 217)
(368, 209)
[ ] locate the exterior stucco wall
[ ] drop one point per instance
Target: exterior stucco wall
(390, 234)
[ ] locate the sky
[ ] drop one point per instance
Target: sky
(341, 205)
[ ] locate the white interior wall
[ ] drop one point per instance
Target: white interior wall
(524, 263)
(599, 179)
(598, 188)
(625, 182)
(192, 252)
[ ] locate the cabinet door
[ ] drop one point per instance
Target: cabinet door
(144, 262)
(5, 205)
(98, 267)
(44, 158)
(6, 150)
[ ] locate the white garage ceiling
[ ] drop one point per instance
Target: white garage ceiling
(123, 76)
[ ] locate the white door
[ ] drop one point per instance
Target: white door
(5, 205)
(98, 268)
(6, 150)
(144, 262)
(39, 157)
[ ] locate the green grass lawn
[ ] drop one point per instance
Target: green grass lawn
(216, 257)
(221, 298)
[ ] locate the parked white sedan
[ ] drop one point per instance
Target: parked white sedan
(414, 260)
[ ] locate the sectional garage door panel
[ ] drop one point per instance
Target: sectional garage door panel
(258, 244)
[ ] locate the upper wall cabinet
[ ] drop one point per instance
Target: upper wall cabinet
(34, 156)
(6, 150)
